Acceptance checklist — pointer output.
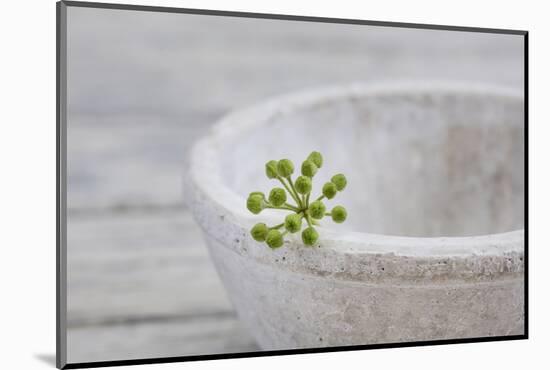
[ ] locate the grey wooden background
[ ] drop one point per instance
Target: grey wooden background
(141, 88)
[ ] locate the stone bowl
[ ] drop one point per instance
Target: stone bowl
(433, 246)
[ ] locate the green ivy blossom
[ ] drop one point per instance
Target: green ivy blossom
(303, 211)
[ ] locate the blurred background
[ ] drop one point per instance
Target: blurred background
(142, 86)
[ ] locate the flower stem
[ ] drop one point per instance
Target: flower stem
(308, 219)
(282, 207)
(296, 199)
(296, 209)
(277, 226)
(295, 192)
(321, 197)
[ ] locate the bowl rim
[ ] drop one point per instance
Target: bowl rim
(204, 172)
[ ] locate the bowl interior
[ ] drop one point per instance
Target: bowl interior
(419, 163)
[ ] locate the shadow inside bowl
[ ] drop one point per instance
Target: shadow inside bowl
(432, 163)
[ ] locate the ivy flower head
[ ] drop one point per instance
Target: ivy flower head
(294, 197)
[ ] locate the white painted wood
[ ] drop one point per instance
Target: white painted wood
(142, 285)
(127, 266)
(200, 336)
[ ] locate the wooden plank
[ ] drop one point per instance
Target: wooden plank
(141, 284)
(200, 336)
(131, 267)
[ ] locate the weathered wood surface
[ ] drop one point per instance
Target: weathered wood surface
(119, 257)
(142, 87)
(141, 285)
(194, 336)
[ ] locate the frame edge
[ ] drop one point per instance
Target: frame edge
(61, 185)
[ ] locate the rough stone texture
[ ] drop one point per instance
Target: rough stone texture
(429, 166)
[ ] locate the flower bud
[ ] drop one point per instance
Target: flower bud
(316, 158)
(293, 222)
(277, 197)
(340, 181)
(310, 236)
(257, 193)
(259, 232)
(309, 168)
(339, 214)
(303, 185)
(317, 209)
(274, 239)
(285, 168)
(329, 190)
(255, 203)
(271, 169)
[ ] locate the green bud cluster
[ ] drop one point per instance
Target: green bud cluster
(303, 210)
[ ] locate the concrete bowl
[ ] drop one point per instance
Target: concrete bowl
(433, 247)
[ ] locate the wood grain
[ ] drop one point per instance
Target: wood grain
(197, 336)
(141, 284)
